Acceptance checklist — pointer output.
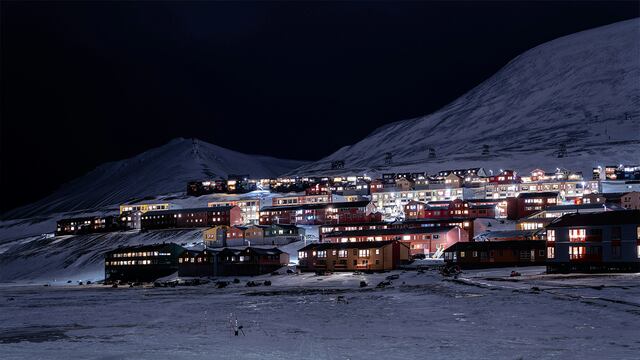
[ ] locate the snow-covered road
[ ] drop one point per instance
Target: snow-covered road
(484, 316)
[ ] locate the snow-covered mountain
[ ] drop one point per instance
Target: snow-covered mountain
(579, 95)
(162, 170)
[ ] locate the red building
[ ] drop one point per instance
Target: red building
(457, 208)
(320, 188)
(192, 218)
(484, 254)
(368, 255)
(505, 177)
(376, 185)
(317, 214)
(526, 204)
(421, 240)
(466, 224)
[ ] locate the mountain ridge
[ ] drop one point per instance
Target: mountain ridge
(160, 170)
(584, 85)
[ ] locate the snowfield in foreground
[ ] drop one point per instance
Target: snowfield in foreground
(485, 314)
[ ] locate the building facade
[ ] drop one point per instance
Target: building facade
(192, 218)
(142, 263)
(421, 240)
(605, 241)
(483, 254)
(87, 225)
(363, 256)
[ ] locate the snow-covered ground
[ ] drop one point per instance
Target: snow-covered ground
(485, 314)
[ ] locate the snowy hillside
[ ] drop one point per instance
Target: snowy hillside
(77, 257)
(581, 90)
(161, 170)
(81, 257)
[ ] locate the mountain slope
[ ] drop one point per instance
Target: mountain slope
(161, 170)
(581, 90)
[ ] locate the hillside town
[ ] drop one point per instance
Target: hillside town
(460, 218)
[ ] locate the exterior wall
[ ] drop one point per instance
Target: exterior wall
(191, 218)
(198, 265)
(87, 225)
(249, 263)
(299, 200)
(505, 177)
(429, 244)
(532, 223)
(393, 202)
(316, 216)
(142, 264)
(631, 200)
(455, 209)
(130, 219)
(423, 243)
(249, 209)
(218, 235)
(487, 254)
(414, 210)
(602, 247)
(566, 189)
(520, 207)
(387, 257)
(143, 208)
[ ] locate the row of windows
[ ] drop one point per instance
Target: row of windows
(581, 252)
(582, 235)
(340, 253)
(128, 262)
(139, 254)
(193, 260)
(523, 254)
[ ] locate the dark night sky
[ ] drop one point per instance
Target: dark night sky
(84, 83)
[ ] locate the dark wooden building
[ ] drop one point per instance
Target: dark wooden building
(251, 261)
(87, 225)
(141, 263)
(484, 254)
(199, 263)
(198, 188)
(594, 242)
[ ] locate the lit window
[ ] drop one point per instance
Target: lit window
(577, 235)
(322, 254)
(363, 253)
(576, 252)
(551, 252)
(551, 235)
